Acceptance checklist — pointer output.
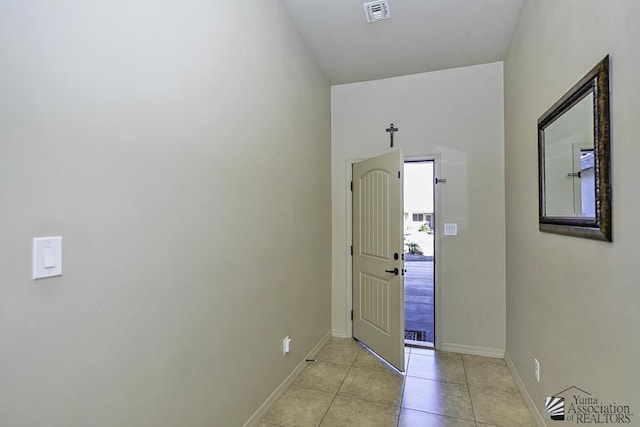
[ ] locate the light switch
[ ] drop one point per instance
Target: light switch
(47, 257)
(451, 229)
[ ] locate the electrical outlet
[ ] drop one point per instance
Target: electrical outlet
(536, 367)
(286, 345)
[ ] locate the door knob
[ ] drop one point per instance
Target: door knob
(394, 271)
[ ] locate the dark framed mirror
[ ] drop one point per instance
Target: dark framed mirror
(574, 162)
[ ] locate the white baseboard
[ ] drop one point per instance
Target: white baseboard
(339, 333)
(537, 417)
(284, 386)
(470, 349)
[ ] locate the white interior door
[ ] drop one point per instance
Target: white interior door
(378, 285)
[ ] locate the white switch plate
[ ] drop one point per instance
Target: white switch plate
(536, 367)
(47, 257)
(451, 229)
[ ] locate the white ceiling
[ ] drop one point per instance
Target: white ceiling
(420, 36)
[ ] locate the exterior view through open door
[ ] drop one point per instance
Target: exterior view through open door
(378, 267)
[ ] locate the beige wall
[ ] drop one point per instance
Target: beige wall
(573, 303)
(457, 115)
(148, 135)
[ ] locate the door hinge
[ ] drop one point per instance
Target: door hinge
(351, 314)
(352, 250)
(440, 180)
(398, 174)
(351, 186)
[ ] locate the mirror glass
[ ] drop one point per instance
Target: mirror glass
(574, 160)
(568, 163)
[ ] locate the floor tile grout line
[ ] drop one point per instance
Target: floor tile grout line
(340, 386)
(440, 381)
(441, 415)
(447, 382)
(369, 401)
(327, 411)
(353, 366)
(435, 379)
(404, 384)
(473, 410)
(323, 391)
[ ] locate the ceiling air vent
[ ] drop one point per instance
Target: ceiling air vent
(377, 10)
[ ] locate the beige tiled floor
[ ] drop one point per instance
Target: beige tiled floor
(349, 386)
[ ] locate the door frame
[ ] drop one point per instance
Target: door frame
(437, 196)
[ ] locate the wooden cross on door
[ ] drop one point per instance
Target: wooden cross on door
(391, 130)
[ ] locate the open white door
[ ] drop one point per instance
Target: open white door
(378, 285)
